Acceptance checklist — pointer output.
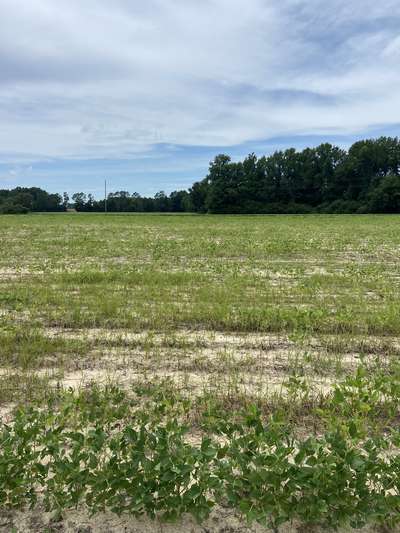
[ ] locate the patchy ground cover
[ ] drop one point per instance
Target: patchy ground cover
(228, 312)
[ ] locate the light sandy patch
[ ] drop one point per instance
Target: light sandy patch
(11, 273)
(6, 413)
(275, 279)
(196, 383)
(217, 339)
(42, 373)
(217, 352)
(222, 520)
(202, 361)
(317, 270)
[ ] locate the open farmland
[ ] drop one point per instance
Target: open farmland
(297, 315)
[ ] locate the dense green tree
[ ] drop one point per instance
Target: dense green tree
(179, 201)
(224, 179)
(385, 198)
(79, 199)
(198, 195)
(325, 178)
(29, 199)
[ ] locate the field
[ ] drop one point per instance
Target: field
(203, 319)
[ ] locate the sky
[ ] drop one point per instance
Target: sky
(146, 93)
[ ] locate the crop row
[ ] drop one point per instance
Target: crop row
(103, 450)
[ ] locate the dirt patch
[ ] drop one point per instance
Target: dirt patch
(196, 383)
(221, 521)
(199, 336)
(6, 413)
(198, 361)
(11, 273)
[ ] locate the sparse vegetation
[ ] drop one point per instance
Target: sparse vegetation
(164, 366)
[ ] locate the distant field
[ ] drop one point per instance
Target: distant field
(272, 311)
(190, 297)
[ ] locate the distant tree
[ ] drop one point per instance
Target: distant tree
(160, 202)
(385, 198)
(324, 178)
(90, 202)
(31, 199)
(9, 207)
(79, 199)
(119, 201)
(367, 163)
(137, 202)
(179, 201)
(224, 178)
(198, 195)
(65, 201)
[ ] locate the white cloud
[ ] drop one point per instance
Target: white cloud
(112, 79)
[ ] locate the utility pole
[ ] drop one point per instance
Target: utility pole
(105, 196)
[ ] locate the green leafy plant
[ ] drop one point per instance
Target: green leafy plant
(109, 452)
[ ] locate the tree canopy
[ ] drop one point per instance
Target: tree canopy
(24, 199)
(325, 179)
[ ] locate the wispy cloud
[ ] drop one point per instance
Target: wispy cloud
(124, 79)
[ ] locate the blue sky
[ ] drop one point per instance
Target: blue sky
(146, 93)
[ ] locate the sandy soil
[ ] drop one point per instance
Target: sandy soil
(221, 521)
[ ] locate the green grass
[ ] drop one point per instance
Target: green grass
(318, 274)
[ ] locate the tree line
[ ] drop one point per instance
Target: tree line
(324, 179)
(26, 199)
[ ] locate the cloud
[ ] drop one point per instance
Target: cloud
(118, 80)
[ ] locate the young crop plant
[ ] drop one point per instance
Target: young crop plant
(110, 453)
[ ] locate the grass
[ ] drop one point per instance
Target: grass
(286, 295)
(226, 312)
(234, 274)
